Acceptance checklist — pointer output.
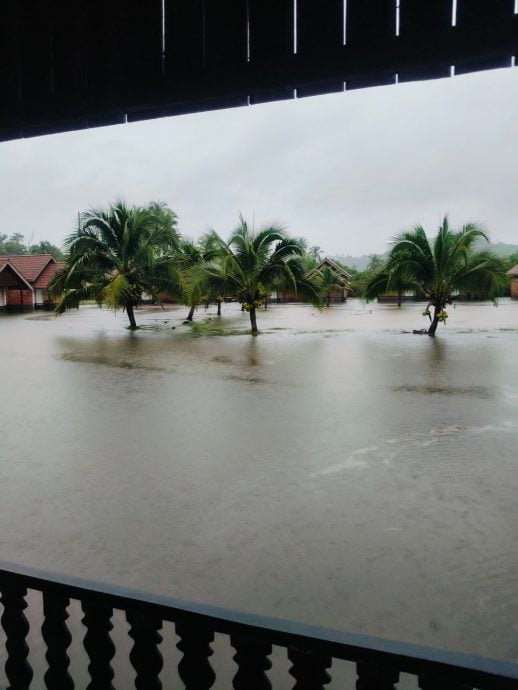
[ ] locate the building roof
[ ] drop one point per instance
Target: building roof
(36, 269)
(342, 275)
(42, 281)
(513, 271)
(10, 278)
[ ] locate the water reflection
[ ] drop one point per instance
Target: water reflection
(334, 470)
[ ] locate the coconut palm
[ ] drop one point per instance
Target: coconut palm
(250, 265)
(384, 281)
(116, 255)
(440, 268)
(190, 257)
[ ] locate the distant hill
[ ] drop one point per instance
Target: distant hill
(358, 262)
(500, 248)
(361, 262)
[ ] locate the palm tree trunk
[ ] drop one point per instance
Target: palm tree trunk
(328, 298)
(219, 307)
(191, 313)
(131, 316)
(435, 321)
(399, 297)
(253, 320)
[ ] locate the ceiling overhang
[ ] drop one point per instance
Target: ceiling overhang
(73, 64)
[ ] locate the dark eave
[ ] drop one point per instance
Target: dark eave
(73, 64)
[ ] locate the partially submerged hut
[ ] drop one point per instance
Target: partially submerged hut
(24, 281)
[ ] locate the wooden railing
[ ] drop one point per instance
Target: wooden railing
(310, 650)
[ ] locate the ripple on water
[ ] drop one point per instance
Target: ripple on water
(426, 389)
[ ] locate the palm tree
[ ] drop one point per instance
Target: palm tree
(250, 265)
(440, 268)
(190, 257)
(383, 281)
(116, 255)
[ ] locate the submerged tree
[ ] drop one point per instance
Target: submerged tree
(118, 254)
(440, 268)
(250, 265)
(191, 256)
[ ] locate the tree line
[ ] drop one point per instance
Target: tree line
(121, 253)
(15, 244)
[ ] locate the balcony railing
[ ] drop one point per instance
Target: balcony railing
(311, 650)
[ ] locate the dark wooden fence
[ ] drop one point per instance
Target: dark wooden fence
(69, 64)
(310, 650)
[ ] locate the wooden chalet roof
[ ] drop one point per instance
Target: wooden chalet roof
(36, 269)
(84, 63)
(10, 278)
(340, 272)
(513, 271)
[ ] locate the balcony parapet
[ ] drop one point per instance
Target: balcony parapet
(310, 649)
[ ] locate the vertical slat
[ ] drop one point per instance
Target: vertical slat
(145, 657)
(124, 46)
(184, 38)
(57, 637)
(143, 40)
(474, 13)
(35, 49)
(370, 21)
(421, 26)
(16, 626)
(418, 17)
(225, 33)
(475, 19)
(271, 36)
(102, 50)
(370, 29)
(98, 644)
(194, 667)
(252, 661)
(319, 35)
(319, 26)
(9, 53)
(69, 39)
(271, 29)
(10, 87)
(309, 670)
(371, 677)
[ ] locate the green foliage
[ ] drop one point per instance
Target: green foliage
(45, 247)
(12, 244)
(117, 254)
(440, 268)
(252, 264)
(375, 264)
(15, 244)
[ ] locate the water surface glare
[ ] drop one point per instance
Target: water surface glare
(335, 470)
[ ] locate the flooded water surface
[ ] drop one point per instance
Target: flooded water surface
(336, 470)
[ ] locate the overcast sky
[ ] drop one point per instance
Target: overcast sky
(346, 171)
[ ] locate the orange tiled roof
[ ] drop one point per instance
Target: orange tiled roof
(513, 271)
(44, 277)
(29, 265)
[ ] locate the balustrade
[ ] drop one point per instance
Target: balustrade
(310, 650)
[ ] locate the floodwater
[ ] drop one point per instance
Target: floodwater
(335, 470)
